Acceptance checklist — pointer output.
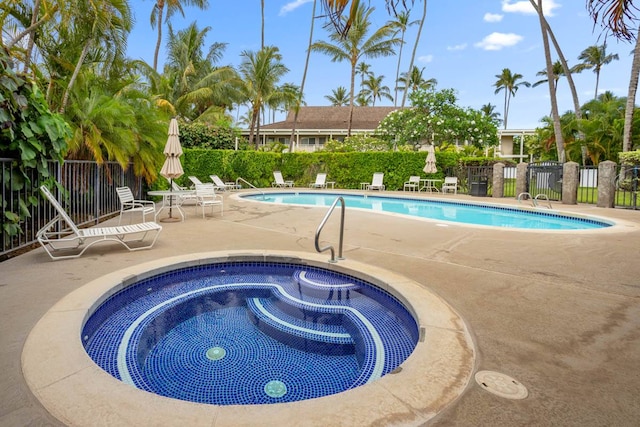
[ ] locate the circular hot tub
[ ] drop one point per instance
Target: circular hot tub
(188, 339)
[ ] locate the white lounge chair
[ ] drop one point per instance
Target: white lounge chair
(279, 181)
(195, 180)
(321, 181)
(221, 185)
(206, 196)
(450, 183)
(128, 203)
(413, 184)
(185, 197)
(376, 182)
(62, 234)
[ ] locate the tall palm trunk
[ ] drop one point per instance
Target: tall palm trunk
(74, 76)
(631, 96)
(34, 17)
(395, 97)
(255, 114)
(506, 105)
(304, 78)
(415, 48)
(262, 12)
(557, 129)
(351, 98)
(160, 6)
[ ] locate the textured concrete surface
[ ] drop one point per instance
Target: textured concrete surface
(559, 312)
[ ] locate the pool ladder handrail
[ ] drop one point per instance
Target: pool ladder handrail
(534, 200)
(323, 222)
(250, 185)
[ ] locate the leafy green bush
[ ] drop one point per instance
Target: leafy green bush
(201, 135)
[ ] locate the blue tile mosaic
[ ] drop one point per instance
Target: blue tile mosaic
(278, 326)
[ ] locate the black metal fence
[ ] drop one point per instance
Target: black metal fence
(545, 178)
(627, 187)
(89, 196)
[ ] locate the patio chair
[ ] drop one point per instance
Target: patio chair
(191, 196)
(206, 196)
(128, 203)
(221, 185)
(321, 181)
(195, 180)
(62, 234)
(279, 181)
(413, 184)
(450, 183)
(376, 182)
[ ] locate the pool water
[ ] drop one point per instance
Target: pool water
(486, 215)
(249, 333)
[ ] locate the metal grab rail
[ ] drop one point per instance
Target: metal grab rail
(323, 222)
(250, 185)
(543, 196)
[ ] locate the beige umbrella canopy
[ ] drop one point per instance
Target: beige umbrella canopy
(172, 168)
(430, 166)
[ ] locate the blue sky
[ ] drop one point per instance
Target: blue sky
(464, 45)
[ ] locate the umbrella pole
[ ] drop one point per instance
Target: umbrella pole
(171, 198)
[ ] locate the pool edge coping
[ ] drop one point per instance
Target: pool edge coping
(434, 375)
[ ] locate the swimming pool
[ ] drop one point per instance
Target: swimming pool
(467, 213)
(239, 333)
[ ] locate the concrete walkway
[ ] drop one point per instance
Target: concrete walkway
(559, 312)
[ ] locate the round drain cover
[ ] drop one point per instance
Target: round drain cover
(501, 385)
(216, 353)
(275, 388)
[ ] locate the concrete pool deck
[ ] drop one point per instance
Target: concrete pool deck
(559, 312)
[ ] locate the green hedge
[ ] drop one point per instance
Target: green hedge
(348, 170)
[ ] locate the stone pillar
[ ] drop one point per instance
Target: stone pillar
(570, 183)
(521, 178)
(606, 184)
(498, 180)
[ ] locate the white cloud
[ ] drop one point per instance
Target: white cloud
(291, 6)
(492, 17)
(462, 46)
(425, 58)
(496, 41)
(524, 6)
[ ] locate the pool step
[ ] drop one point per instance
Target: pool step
(325, 286)
(309, 335)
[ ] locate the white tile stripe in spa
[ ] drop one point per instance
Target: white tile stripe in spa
(123, 369)
(303, 276)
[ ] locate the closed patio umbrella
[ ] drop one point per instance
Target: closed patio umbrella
(172, 168)
(430, 166)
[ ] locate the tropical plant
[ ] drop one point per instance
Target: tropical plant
(339, 97)
(172, 6)
(414, 81)
(557, 72)
(364, 70)
(342, 23)
(489, 110)
(260, 72)
(374, 89)
(356, 45)
(508, 81)
(593, 58)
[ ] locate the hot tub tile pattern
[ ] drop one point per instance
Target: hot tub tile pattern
(169, 355)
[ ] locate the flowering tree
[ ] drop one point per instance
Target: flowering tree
(435, 118)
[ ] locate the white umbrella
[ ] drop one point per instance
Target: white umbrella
(430, 166)
(172, 168)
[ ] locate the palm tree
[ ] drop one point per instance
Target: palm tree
(415, 81)
(364, 70)
(489, 110)
(508, 82)
(260, 71)
(374, 88)
(415, 46)
(355, 46)
(557, 72)
(341, 23)
(304, 77)
(172, 7)
(339, 97)
(400, 24)
(593, 58)
(104, 27)
(618, 16)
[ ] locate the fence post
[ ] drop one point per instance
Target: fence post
(570, 181)
(498, 180)
(521, 178)
(606, 184)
